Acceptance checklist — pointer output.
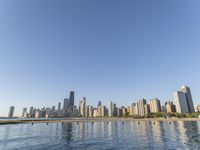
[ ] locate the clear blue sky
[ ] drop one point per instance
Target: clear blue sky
(105, 50)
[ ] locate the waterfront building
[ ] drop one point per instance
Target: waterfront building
(123, 110)
(197, 108)
(114, 109)
(180, 102)
(90, 111)
(146, 109)
(188, 95)
(110, 111)
(24, 110)
(38, 113)
(95, 113)
(11, 112)
(31, 112)
(183, 100)
(102, 111)
(87, 111)
(155, 105)
(66, 104)
(71, 98)
(135, 108)
(59, 106)
(99, 104)
(170, 107)
(83, 107)
(141, 109)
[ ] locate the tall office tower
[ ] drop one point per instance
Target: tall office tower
(11, 111)
(31, 112)
(66, 104)
(188, 94)
(110, 111)
(141, 109)
(135, 108)
(128, 109)
(183, 100)
(180, 102)
(146, 109)
(114, 109)
(83, 107)
(102, 111)
(95, 113)
(59, 106)
(23, 112)
(53, 108)
(90, 111)
(170, 107)
(155, 105)
(123, 110)
(99, 104)
(87, 111)
(71, 98)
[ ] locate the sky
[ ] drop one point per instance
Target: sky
(104, 50)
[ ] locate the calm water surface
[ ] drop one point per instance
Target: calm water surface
(100, 135)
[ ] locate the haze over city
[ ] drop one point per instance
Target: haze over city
(103, 50)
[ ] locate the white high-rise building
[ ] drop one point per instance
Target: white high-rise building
(110, 113)
(155, 105)
(90, 111)
(83, 107)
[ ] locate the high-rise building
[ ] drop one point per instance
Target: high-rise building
(11, 111)
(23, 112)
(99, 104)
(59, 106)
(90, 111)
(71, 98)
(146, 109)
(180, 102)
(183, 100)
(141, 109)
(110, 111)
(83, 107)
(135, 108)
(102, 111)
(197, 108)
(170, 107)
(188, 94)
(66, 104)
(95, 113)
(155, 105)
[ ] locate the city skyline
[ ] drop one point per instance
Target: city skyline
(105, 50)
(182, 102)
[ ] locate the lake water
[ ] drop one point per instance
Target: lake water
(101, 135)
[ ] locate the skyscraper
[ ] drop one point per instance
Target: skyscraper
(180, 102)
(183, 100)
(59, 106)
(155, 105)
(188, 94)
(66, 104)
(83, 107)
(110, 111)
(99, 104)
(23, 112)
(71, 98)
(11, 111)
(141, 109)
(170, 107)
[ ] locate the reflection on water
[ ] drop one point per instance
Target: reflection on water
(102, 135)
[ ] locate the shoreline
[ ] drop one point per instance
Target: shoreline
(63, 120)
